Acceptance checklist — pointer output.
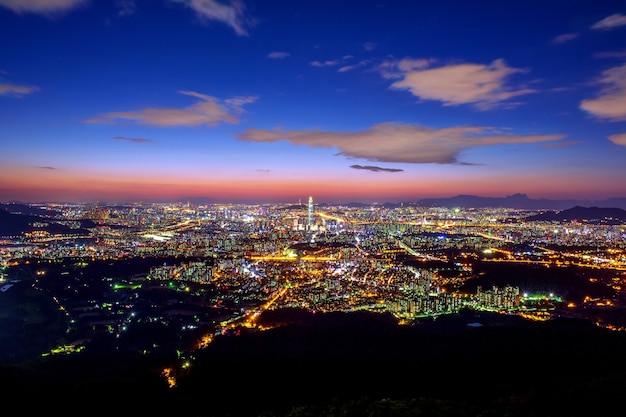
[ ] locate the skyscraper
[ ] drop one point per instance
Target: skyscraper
(309, 223)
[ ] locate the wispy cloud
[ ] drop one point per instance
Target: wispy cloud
(618, 139)
(566, 37)
(233, 13)
(278, 55)
(611, 54)
(134, 140)
(343, 63)
(483, 86)
(611, 103)
(126, 7)
(394, 142)
(321, 64)
(42, 7)
(610, 22)
(208, 111)
(47, 168)
(13, 90)
(375, 168)
(347, 68)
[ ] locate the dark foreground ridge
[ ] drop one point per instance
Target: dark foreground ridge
(349, 364)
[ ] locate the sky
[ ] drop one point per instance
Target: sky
(274, 101)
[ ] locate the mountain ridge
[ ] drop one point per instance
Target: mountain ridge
(519, 201)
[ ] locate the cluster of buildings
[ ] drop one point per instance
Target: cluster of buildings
(332, 257)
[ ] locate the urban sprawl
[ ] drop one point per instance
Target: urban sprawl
(237, 261)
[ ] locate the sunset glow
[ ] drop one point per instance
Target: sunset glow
(244, 101)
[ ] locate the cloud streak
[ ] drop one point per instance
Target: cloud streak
(610, 22)
(134, 140)
(278, 55)
(566, 37)
(42, 7)
(232, 13)
(618, 139)
(208, 111)
(611, 103)
(375, 168)
(13, 90)
(395, 142)
(611, 54)
(483, 86)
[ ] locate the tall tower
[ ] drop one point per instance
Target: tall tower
(309, 223)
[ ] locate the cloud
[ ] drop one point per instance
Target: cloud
(134, 140)
(278, 55)
(395, 142)
(126, 7)
(611, 103)
(483, 86)
(47, 168)
(611, 54)
(13, 90)
(618, 139)
(328, 63)
(347, 68)
(376, 169)
(232, 13)
(610, 22)
(208, 111)
(334, 62)
(566, 37)
(43, 7)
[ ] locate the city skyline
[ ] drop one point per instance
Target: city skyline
(276, 101)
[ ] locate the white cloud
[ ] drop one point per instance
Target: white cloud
(278, 55)
(611, 103)
(394, 142)
(232, 13)
(16, 90)
(483, 86)
(566, 37)
(41, 6)
(208, 111)
(321, 64)
(610, 22)
(618, 139)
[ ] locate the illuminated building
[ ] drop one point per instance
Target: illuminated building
(310, 216)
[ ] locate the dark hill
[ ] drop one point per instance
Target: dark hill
(13, 224)
(18, 208)
(345, 364)
(564, 282)
(342, 358)
(586, 214)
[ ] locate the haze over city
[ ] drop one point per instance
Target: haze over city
(271, 101)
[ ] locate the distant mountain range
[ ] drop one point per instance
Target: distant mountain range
(517, 201)
(589, 214)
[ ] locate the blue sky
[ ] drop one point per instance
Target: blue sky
(273, 101)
